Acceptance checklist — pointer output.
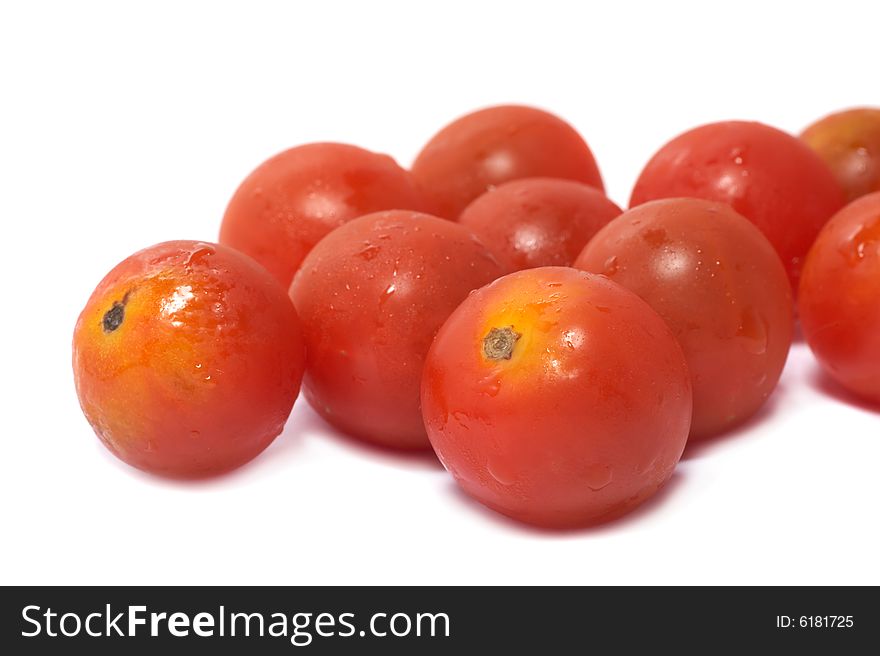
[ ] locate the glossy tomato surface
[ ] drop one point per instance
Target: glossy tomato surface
(484, 149)
(293, 199)
(557, 397)
(719, 284)
(371, 295)
(849, 142)
(537, 222)
(840, 297)
(770, 177)
(187, 359)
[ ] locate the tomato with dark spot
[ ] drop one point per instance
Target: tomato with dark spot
(484, 149)
(537, 222)
(840, 297)
(770, 177)
(293, 199)
(187, 359)
(849, 142)
(722, 289)
(371, 295)
(557, 397)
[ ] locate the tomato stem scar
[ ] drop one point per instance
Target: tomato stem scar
(114, 317)
(498, 343)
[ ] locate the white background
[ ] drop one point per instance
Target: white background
(122, 125)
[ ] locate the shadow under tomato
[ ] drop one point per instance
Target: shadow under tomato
(283, 447)
(184, 481)
(699, 448)
(649, 506)
(303, 424)
(822, 382)
(423, 458)
(797, 337)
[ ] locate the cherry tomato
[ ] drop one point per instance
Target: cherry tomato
(840, 297)
(486, 148)
(538, 221)
(187, 358)
(849, 142)
(557, 397)
(768, 176)
(722, 289)
(292, 200)
(371, 295)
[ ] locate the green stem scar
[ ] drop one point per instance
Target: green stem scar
(498, 344)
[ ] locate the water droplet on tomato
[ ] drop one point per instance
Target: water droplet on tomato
(752, 331)
(861, 243)
(611, 266)
(501, 471)
(368, 252)
(598, 476)
(198, 254)
(461, 418)
(490, 386)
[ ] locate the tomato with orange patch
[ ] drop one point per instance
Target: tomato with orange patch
(557, 397)
(187, 359)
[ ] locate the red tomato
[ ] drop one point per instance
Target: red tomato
(538, 221)
(187, 359)
(486, 148)
(720, 286)
(849, 142)
(292, 200)
(840, 297)
(557, 397)
(371, 295)
(768, 176)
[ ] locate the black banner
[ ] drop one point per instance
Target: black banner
(432, 620)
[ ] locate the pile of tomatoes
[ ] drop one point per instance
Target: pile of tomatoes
(493, 304)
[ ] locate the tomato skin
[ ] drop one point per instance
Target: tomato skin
(585, 420)
(292, 200)
(491, 146)
(770, 177)
(371, 295)
(719, 284)
(839, 297)
(849, 143)
(187, 359)
(536, 222)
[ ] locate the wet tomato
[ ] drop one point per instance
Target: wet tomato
(772, 178)
(371, 295)
(557, 397)
(722, 289)
(187, 358)
(495, 145)
(849, 142)
(292, 200)
(538, 221)
(840, 297)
